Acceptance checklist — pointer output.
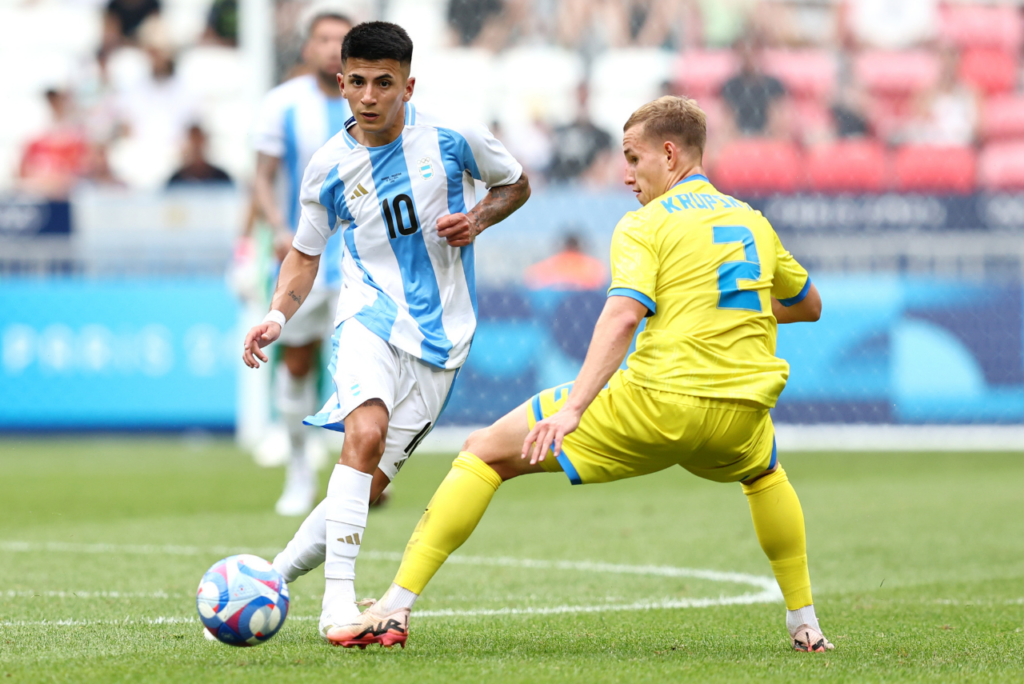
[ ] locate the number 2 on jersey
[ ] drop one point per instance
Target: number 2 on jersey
(730, 296)
(398, 218)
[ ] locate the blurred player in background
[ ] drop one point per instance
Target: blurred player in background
(294, 121)
(396, 185)
(714, 279)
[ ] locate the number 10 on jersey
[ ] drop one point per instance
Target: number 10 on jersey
(399, 213)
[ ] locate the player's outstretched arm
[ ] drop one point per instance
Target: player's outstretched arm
(298, 271)
(612, 337)
(497, 205)
(807, 310)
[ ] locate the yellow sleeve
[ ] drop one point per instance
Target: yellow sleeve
(634, 263)
(790, 283)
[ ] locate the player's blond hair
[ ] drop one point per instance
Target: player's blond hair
(678, 119)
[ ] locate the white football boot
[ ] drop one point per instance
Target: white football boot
(809, 640)
(373, 626)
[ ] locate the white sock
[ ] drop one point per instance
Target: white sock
(801, 616)
(397, 597)
(347, 505)
(295, 399)
(307, 548)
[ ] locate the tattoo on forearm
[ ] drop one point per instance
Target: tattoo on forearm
(297, 298)
(500, 202)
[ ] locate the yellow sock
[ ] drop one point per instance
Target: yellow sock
(779, 523)
(451, 516)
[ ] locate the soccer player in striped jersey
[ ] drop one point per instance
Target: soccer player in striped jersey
(295, 119)
(714, 281)
(395, 184)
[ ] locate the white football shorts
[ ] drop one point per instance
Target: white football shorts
(313, 321)
(365, 367)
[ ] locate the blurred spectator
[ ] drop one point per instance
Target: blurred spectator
(54, 160)
(754, 98)
(97, 168)
(487, 24)
(596, 25)
(196, 168)
(849, 118)
(724, 22)
(222, 23)
(892, 25)
(582, 151)
(124, 17)
(946, 114)
(157, 111)
(570, 269)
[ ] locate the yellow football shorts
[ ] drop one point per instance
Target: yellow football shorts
(631, 430)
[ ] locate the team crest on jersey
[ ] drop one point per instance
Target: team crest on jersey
(426, 168)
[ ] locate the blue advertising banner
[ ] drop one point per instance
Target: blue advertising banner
(25, 217)
(115, 354)
(163, 354)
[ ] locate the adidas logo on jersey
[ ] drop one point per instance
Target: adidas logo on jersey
(350, 539)
(360, 191)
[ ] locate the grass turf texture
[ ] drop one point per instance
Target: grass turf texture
(917, 562)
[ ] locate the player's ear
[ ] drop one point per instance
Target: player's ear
(410, 85)
(341, 83)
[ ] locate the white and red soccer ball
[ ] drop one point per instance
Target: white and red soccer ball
(242, 600)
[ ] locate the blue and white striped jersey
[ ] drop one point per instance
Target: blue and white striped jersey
(293, 122)
(399, 279)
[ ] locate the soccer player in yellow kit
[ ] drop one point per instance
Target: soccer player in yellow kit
(714, 280)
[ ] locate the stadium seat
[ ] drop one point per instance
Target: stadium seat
(442, 72)
(806, 73)
(1001, 166)
(757, 166)
(29, 73)
(990, 71)
(1002, 116)
(847, 166)
(537, 81)
(622, 80)
(896, 72)
(702, 73)
(213, 73)
(973, 26)
(934, 169)
(72, 29)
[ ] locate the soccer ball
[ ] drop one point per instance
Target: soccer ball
(242, 600)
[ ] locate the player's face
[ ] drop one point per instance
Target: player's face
(323, 49)
(376, 91)
(646, 167)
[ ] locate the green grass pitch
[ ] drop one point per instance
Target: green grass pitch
(917, 562)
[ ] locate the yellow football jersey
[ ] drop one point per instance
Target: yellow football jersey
(705, 265)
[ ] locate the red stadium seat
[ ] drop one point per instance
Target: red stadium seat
(806, 73)
(896, 72)
(702, 73)
(934, 169)
(847, 166)
(990, 71)
(1001, 166)
(1002, 116)
(758, 166)
(970, 26)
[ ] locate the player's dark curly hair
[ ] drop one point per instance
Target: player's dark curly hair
(377, 40)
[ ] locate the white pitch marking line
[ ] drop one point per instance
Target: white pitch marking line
(769, 589)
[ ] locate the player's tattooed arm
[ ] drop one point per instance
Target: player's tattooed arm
(498, 204)
(296, 298)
